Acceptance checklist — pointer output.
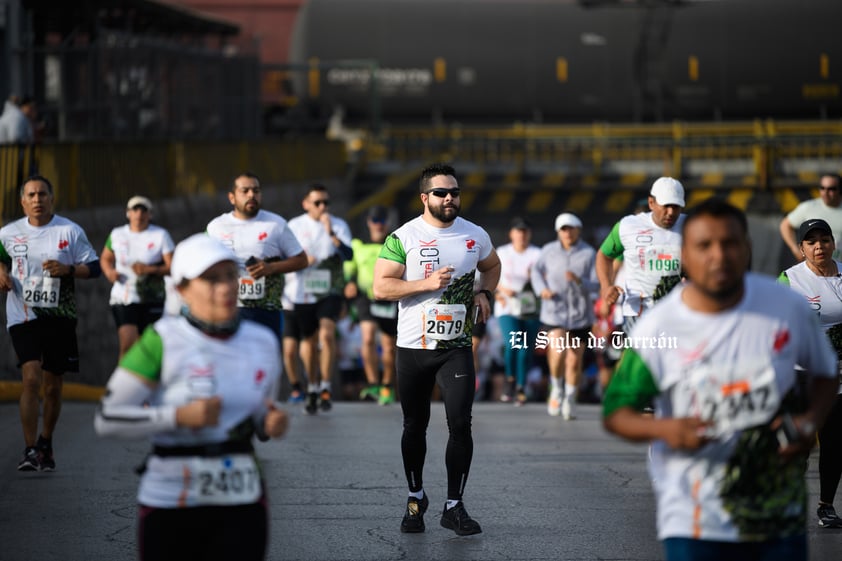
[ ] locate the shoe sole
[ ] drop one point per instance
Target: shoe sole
(28, 468)
(459, 532)
(408, 530)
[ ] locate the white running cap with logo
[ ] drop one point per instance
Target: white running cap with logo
(567, 219)
(197, 254)
(668, 191)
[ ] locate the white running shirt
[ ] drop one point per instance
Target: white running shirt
(147, 247)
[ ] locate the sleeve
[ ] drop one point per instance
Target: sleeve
(4, 257)
(146, 356)
(167, 245)
(591, 281)
(290, 246)
(613, 245)
(342, 231)
(393, 250)
(83, 251)
(815, 353)
(536, 276)
(783, 279)
(486, 247)
(124, 411)
(797, 215)
(108, 241)
(632, 385)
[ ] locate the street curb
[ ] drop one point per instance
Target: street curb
(10, 391)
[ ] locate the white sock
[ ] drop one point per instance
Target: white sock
(324, 386)
(555, 385)
(570, 392)
(418, 494)
(312, 388)
(450, 504)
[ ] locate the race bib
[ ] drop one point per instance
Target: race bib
(41, 292)
(251, 288)
(732, 398)
(523, 304)
(387, 310)
(662, 260)
(223, 480)
(444, 321)
(316, 281)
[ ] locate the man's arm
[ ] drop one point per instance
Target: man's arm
(788, 235)
(605, 273)
(489, 269)
(390, 285)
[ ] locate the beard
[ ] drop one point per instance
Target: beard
(250, 210)
(444, 214)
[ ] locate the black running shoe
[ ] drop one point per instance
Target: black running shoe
(413, 519)
(31, 460)
(458, 520)
(312, 405)
(827, 516)
(324, 400)
(48, 463)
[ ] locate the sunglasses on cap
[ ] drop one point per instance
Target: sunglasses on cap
(442, 193)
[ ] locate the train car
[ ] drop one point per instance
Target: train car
(563, 61)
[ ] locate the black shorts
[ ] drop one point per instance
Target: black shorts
(49, 340)
(303, 321)
(388, 325)
(582, 333)
(269, 318)
(141, 315)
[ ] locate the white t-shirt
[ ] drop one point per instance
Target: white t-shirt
(147, 247)
(815, 208)
(735, 369)
(24, 248)
(442, 319)
(268, 237)
(326, 276)
(649, 253)
(515, 269)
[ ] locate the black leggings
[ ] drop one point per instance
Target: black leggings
(453, 370)
(830, 453)
(204, 533)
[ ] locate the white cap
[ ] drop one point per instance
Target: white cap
(197, 254)
(139, 200)
(567, 219)
(668, 191)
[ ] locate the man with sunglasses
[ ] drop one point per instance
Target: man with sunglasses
(828, 207)
(428, 265)
(313, 297)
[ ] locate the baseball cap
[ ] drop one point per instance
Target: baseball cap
(138, 200)
(567, 219)
(813, 224)
(668, 191)
(519, 223)
(197, 254)
(378, 213)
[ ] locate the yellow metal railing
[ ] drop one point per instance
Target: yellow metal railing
(103, 173)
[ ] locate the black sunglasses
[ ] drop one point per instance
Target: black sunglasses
(442, 193)
(321, 202)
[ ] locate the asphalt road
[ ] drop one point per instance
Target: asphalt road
(542, 488)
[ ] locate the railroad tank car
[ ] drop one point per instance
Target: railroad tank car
(548, 61)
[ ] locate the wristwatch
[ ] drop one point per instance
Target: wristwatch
(488, 294)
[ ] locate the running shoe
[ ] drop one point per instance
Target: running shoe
(45, 454)
(31, 460)
(324, 400)
(458, 520)
(827, 516)
(312, 406)
(520, 398)
(370, 393)
(387, 396)
(505, 397)
(296, 396)
(554, 403)
(568, 409)
(413, 518)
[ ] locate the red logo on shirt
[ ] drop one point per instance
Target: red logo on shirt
(781, 339)
(470, 244)
(259, 376)
(262, 236)
(150, 246)
(62, 244)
